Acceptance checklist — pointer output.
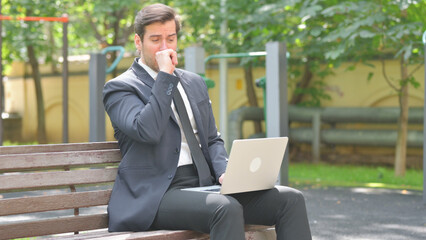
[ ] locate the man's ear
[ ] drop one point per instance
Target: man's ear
(138, 42)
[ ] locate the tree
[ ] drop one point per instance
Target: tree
(102, 23)
(251, 24)
(318, 32)
(28, 43)
(364, 30)
(202, 22)
(93, 25)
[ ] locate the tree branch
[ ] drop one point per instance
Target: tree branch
(98, 36)
(386, 76)
(126, 33)
(415, 69)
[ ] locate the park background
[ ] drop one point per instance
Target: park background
(336, 53)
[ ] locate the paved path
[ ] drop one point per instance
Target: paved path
(364, 213)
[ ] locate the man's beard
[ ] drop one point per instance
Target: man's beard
(150, 62)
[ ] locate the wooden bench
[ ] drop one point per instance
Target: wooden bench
(61, 190)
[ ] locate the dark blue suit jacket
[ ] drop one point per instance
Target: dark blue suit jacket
(150, 140)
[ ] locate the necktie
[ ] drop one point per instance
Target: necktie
(200, 162)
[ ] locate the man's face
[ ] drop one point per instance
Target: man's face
(158, 36)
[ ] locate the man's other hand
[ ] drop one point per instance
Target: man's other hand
(221, 178)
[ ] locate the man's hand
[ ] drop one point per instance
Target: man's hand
(166, 60)
(221, 178)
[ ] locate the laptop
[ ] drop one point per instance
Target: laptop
(254, 164)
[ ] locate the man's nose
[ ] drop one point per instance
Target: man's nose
(163, 45)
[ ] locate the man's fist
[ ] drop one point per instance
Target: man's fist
(166, 60)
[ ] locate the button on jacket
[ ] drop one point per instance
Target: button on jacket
(149, 139)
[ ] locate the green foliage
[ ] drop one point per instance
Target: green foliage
(316, 93)
(364, 29)
(251, 24)
(93, 25)
(359, 31)
(100, 23)
(19, 34)
(316, 31)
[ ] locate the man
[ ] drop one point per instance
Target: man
(158, 160)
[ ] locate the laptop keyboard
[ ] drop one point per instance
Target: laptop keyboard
(217, 189)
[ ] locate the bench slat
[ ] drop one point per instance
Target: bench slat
(53, 179)
(53, 202)
(160, 234)
(53, 226)
(148, 235)
(57, 159)
(22, 149)
(178, 235)
(96, 234)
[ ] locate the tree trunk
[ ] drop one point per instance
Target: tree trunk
(116, 27)
(251, 94)
(41, 125)
(303, 83)
(401, 142)
(52, 49)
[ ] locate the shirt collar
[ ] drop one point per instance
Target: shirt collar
(149, 70)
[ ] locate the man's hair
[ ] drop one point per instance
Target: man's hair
(152, 14)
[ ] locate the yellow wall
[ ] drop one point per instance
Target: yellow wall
(20, 98)
(236, 89)
(347, 88)
(351, 88)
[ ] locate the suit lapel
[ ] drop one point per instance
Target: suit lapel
(142, 74)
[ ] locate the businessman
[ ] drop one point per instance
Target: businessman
(163, 121)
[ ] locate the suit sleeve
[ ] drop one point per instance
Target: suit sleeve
(136, 110)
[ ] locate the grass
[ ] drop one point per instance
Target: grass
(323, 175)
(10, 143)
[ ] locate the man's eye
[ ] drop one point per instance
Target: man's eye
(155, 39)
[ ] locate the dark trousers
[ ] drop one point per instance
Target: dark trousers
(224, 216)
